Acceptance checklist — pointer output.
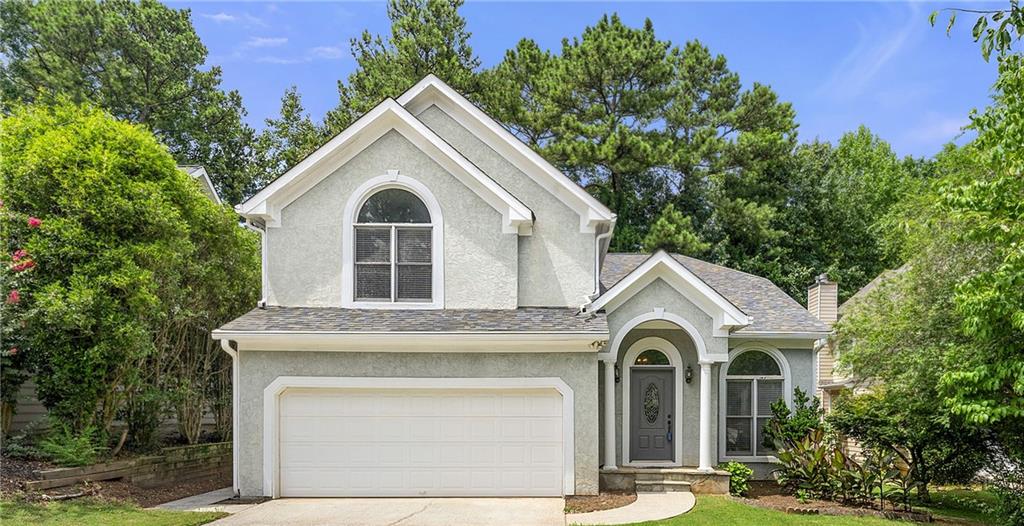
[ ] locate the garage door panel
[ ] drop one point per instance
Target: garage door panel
(420, 442)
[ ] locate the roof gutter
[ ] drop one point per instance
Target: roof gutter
(604, 239)
(477, 342)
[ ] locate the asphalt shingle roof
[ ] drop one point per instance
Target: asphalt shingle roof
(771, 309)
(336, 319)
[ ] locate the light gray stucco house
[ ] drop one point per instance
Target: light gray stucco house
(441, 317)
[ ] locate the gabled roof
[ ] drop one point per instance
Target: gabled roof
(198, 172)
(661, 265)
(771, 310)
(433, 91)
(386, 116)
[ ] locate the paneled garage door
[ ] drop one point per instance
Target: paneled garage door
(420, 442)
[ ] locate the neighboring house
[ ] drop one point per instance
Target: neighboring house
(29, 409)
(198, 172)
(822, 298)
(440, 317)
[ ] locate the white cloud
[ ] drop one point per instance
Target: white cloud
(227, 18)
(934, 129)
(877, 45)
(219, 17)
(269, 59)
(265, 42)
(328, 52)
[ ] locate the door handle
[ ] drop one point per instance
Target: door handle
(669, 434)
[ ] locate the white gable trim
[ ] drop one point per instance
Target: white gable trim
(432, 91)
(661, 265)
(386, 116)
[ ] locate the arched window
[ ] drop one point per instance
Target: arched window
(393, 253)
(754, 381)
(651, 357)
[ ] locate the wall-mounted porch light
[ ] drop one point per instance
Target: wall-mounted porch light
(617, 377)
(689, 373)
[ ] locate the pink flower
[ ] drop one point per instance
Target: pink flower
(24, 265)
(34, 222)
(13, 297)
(19, 254)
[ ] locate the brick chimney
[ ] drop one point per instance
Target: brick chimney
(823, 299)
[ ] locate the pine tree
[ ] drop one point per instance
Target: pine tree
(427, 36)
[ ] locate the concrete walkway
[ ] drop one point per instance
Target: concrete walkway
(403, 512)
(646, 507)
(206, 502)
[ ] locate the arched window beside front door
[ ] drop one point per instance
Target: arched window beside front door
(393, 249)
(754, 380)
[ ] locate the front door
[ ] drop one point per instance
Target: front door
(651, 399)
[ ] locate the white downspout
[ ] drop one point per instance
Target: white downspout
(248, 224)
(597, 265)
(235, 397)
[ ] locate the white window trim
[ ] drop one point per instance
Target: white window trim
(787, 392)
(392, 179)
(675, 361)
(272, 407)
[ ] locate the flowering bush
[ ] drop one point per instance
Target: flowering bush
(111, 252)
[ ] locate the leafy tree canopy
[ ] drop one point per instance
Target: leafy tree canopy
(140, 61)
(109, 246)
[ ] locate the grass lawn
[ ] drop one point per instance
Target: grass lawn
(963, 503)
(94, 513)
(715, 510)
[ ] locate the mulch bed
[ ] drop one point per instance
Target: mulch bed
(768, 494)
(14, 473)
(606, 500)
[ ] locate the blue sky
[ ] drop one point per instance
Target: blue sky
(840, 64)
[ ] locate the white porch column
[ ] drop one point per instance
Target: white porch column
(609, 413)
(706, 447)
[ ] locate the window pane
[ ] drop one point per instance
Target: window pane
(373, 281)
(755, 363)
(651, 357)
(737, 436)
(414, 245)
(768, 391)
(761, 450)
(737, 397)
(393, 206)
(414, 282)
(373, 245)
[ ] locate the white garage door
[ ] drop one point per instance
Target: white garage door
(420, 442)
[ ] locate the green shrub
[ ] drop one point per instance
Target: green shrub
(739, 477)
(70, 449)
(788, 426)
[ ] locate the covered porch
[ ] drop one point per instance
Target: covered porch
(659, 392)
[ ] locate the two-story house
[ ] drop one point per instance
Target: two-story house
(441, 317)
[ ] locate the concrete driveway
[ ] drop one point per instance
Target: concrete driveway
(403, 512)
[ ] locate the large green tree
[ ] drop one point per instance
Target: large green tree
(141, 61)
(427, 36)
(285, 140)
(117, 259)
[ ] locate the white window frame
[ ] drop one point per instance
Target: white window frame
(392, 179)
(723, 377)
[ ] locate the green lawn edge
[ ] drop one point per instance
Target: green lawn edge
(97, 513)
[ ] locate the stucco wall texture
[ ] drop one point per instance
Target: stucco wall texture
(556, 262)
(304, 254)
(259, 368)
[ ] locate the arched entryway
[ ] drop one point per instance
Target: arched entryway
(637, 359)
(652, 398)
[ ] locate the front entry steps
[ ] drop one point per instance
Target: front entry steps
(661, 485)
(665, 480)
